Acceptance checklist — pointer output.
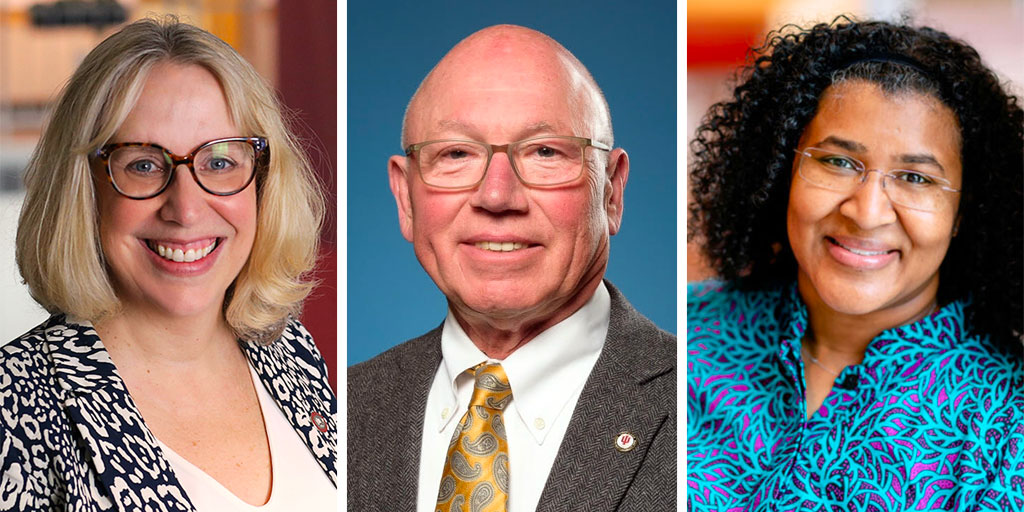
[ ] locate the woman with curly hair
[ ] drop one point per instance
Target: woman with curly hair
(860, 199)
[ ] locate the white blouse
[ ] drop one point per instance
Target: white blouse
(297, 478)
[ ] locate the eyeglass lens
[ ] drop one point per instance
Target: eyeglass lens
(222, 168)
(912, 189)
(542, 161)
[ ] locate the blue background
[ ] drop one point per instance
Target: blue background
(631, 52)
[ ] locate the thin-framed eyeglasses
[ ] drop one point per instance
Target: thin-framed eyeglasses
(843, 173)
(538, 161)
(222, 167)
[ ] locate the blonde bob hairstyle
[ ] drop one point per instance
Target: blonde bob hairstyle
(58, 247)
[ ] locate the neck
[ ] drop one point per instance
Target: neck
(498, 337)
(843, 338)
(136, 334)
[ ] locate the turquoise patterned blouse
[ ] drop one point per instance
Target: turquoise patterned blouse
(932, 419)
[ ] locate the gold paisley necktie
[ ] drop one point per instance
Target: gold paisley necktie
(475, 477)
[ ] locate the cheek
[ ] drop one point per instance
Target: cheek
(241, 210)
(119, 218)
(802, 215)
(929, 233)
(576, 213)
(433, 213)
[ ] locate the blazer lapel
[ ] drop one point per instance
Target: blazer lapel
(626, 393)
(288, 374)
(114, 438)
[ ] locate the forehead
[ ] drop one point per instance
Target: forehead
(180, 107)
(886, 124)
(498, 89)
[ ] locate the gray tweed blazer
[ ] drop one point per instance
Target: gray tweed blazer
(632, 388)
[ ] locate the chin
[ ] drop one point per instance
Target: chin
(853, 296)
(184, 303)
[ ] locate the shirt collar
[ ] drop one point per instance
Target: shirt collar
(543, 373)
(905, 344)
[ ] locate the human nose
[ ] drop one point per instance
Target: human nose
(500, 190)
(183, 199)
(869, 206)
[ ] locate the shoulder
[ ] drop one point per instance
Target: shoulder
(983, 373)
(626, 321)
(639, 351)
(717, 300)
(718, 310)
(390, 384)
(26, 361)
(34, 424)
(293, 355)
(299, 342)
(417, 356)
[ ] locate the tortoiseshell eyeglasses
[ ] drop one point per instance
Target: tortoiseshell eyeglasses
(141, 170)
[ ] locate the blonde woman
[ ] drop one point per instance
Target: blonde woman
(169, 223)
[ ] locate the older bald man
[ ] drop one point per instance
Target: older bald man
(543, 389)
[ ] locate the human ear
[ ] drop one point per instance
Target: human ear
(397, 177)
(617, 173)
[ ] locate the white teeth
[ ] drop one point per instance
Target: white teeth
(862, 252)
(500, 246)
(177, 255)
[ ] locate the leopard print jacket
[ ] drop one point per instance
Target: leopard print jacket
(71, 437)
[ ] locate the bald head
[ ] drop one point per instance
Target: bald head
(507, 61)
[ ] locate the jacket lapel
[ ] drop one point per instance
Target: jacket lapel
(114, 438)
(298, 383)
(631, 390)
(420, 373)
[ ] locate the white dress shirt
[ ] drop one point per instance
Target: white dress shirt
(547, 375)
(298, 483)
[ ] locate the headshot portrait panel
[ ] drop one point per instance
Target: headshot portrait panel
(174, 205)
(390, 297)
(855, 233)
(542, 382)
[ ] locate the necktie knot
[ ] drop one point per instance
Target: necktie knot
(492, 389)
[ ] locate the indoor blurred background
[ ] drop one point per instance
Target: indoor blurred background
(720, 33)
(292, 44)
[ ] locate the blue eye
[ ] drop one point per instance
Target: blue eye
(219, 164)
(143, 167)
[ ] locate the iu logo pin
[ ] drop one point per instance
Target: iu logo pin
(318, 421)
(625, 442)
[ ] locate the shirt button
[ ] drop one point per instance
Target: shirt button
(539, 423)
(445, 413)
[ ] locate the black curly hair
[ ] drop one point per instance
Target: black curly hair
(743, 150)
